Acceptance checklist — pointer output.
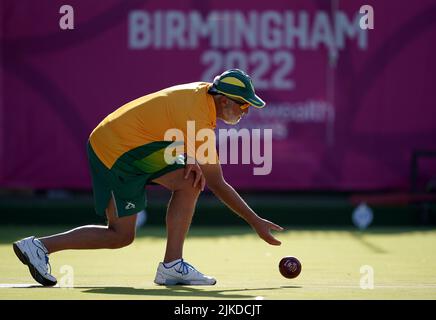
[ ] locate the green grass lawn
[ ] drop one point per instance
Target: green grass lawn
(403, 261)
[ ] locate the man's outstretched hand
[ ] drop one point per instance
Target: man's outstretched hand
(263, 228)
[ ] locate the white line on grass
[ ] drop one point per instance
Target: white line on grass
(85, 286)
(34, 285)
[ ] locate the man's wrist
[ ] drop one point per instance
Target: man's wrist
(252, 219)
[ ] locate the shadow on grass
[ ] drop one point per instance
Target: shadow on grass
(361, 238)
(165, 291)
(178, 291)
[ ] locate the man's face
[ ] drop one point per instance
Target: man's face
(232, 112)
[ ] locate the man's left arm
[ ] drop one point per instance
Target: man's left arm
(228, 195)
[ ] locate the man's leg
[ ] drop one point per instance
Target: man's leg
(180, 210)
(119, 233)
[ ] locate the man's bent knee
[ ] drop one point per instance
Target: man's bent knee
(187, 185)
(123, 231)
(120, 240)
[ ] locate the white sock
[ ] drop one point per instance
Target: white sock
(168, 264)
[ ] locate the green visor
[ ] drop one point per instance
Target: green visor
(237, 84)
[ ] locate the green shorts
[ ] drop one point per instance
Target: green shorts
(128, 177)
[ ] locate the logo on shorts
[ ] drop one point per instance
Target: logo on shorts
(130, 206)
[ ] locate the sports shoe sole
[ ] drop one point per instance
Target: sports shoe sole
(33, 271)
(172, 282)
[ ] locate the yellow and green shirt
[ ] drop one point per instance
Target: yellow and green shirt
(131, 131)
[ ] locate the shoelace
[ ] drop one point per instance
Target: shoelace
(45, 255)
(184, 267)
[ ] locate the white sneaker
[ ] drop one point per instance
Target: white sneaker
(32, 253)
(180, 272)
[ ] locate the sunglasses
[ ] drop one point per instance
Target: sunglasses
(242, 104)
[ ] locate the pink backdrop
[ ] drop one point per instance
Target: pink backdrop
(347, 107)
